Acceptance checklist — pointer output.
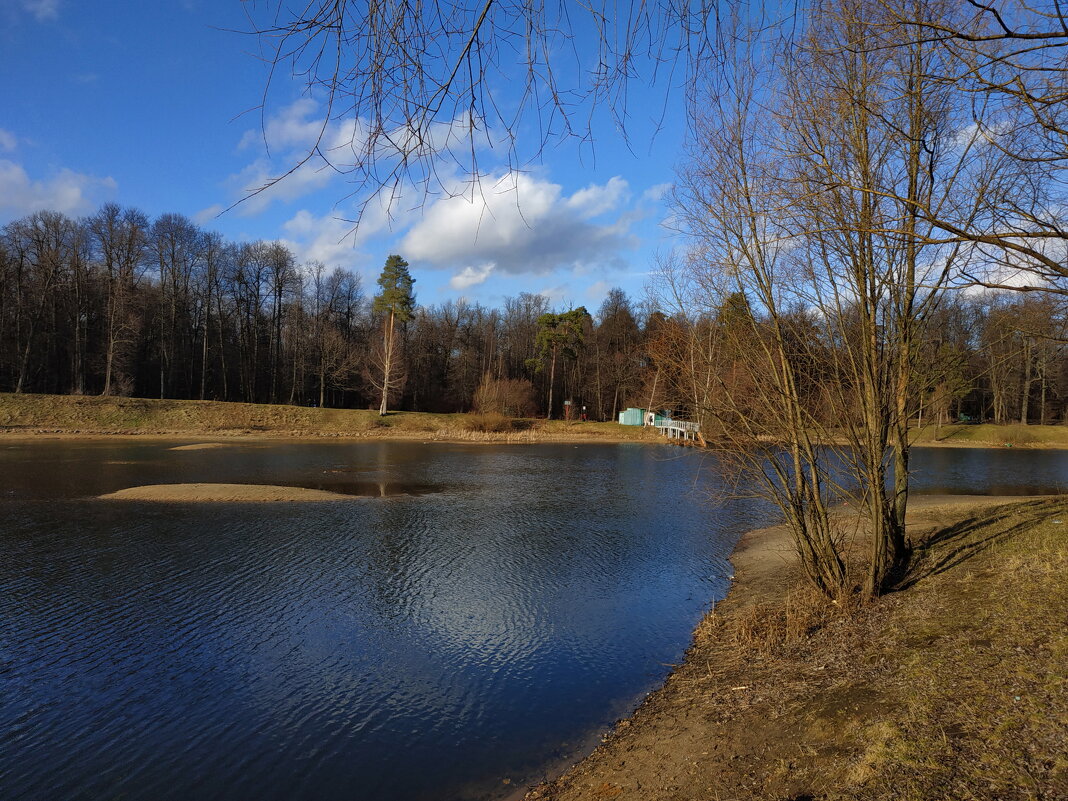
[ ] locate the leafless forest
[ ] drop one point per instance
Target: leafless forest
(119, 304)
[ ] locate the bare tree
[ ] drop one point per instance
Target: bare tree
(1009, 60)
(41, 247)
(407, 88)
(769, 426)
(809, 172)
(335, 353)
(121, 237)
(282, 278)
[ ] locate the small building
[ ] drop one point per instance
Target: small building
(642, 417)
(657, 419)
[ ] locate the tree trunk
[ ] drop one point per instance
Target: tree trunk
(322, 380)
(109, 353)
(1042, 396)
(387, 364)
(204, 351)
(552, 379)
(1025, 394)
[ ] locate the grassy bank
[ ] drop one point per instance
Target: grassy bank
(952, 687)
(72, 415)
(989, 435)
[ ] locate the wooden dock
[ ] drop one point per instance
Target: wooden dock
(680, 429)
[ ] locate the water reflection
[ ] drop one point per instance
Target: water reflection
(369, 489)
(504, 601)
(990, 471)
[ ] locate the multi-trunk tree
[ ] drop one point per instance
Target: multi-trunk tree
(810, 170)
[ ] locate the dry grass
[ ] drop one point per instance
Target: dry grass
(765, 627)
(954, 688)
(62, 414)
(986, 434)
(982, 652)
(490, 422)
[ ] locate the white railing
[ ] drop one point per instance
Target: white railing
(681, 425)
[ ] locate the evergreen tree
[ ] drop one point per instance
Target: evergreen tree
(397, 302)
(560, 333)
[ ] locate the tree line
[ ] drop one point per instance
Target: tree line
(117, 304)
(993, 357)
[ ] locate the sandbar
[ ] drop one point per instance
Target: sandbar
(223, 493)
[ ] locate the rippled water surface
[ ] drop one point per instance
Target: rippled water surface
(481, 616)
(470, 616)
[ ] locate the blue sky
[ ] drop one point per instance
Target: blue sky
(144, 103)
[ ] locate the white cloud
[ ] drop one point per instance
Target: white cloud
(554, 294)
(8, 142)
(597, 290)
(43, 10)
(1010, 270)
(325, 239)
(975, 134)
(333, 240)
(288, 129)
(521, 224)
(257, 182)
(471, 276)
(594, 200)
(296, 135)
(67, 191)
(205, 216)
(656, 193)
(289, 136)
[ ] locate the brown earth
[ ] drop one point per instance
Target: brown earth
(953, 687)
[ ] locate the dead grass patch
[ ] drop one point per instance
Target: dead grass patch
(764, 627)
(489, 422)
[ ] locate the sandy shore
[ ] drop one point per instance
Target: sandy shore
(722, 720)
(223, 493)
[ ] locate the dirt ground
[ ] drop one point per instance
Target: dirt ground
(952, 687)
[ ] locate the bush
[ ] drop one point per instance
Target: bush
(504, 397)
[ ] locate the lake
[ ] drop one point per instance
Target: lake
(469, 619)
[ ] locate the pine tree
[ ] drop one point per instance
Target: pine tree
(560, 333)
(397, 302)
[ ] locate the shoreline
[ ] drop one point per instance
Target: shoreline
(668, 729)
(225, 438)
(449, 436)
(24, 417)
